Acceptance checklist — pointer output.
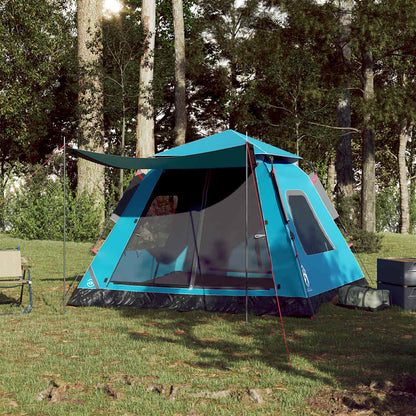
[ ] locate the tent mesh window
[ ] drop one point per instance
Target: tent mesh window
(193, 234)
(308, 228)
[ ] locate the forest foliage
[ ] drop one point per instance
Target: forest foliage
(271, 69)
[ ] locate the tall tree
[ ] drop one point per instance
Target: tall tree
(36, 50)
(122, 50)
(90, 97)
(384, 37)
(397, 87)
(406, 128)
(291, 91)
(219, 62)
(145, 140)
(180, 63)
(396, 118)
(368, 186)
(344, 168)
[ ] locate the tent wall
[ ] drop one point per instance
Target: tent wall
(328, 269)
(285, 267)
(128, 194)
(104, 263)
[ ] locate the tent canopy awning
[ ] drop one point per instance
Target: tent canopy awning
(228, 158)
(222, 150)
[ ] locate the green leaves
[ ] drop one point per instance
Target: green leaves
(35, 40)
(36, 211)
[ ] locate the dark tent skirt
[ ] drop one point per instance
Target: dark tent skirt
(259, 305)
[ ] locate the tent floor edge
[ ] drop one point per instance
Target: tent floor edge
(258, 305)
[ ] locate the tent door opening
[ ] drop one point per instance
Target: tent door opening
(192, 234)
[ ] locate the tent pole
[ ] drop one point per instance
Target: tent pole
(246, 232)
(64, 232)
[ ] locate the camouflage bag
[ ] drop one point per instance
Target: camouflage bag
(367, 298)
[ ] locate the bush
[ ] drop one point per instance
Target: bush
(350, 213)
(365, 242)
(36, 212)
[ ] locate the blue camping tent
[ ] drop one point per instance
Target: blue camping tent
(220, 224)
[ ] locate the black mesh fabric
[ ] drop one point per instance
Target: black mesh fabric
(228, 304)
(193, 233)
(128, 194)
(309, 230)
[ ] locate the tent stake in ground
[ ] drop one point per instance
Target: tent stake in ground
(186, 239)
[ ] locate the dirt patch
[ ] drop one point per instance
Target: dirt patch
(57, 392)
(387, 398)
(242, 395)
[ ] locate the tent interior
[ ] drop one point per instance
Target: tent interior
(192, 233)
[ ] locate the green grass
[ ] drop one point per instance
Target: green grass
(92, 361)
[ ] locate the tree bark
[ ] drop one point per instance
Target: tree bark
(404, 137)
(344, 168)
(90, 98)
(180, 63)
(3, 183)
(368, 194)
(122, 145)
(145, 140)
(331, 178)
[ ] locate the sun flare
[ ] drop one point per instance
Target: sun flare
(112, 7)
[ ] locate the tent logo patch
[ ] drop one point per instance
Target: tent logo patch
(90, 283)
(305, 278)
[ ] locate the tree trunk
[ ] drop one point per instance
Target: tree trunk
(3, 183)
(90, 98)
(122, 145)
(145, 140)
(180, 61)
(412, 189)
(405, 135)
(331, 178)
(345, 176)
(368, 193)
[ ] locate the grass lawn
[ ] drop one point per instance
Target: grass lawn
(94, 361)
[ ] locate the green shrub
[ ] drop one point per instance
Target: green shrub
(365, 242)
(36, 212)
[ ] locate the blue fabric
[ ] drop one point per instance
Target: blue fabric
(285, 268)
(325, 270)
(108, 256)
(225, 140)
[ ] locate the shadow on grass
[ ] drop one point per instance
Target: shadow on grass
(7, 299)
(370, 357)
(263, 340)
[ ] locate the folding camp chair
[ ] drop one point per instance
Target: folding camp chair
(13, 274)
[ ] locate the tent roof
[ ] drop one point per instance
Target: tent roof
(222, 150)
(224, 140)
